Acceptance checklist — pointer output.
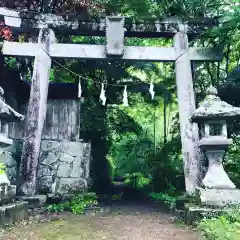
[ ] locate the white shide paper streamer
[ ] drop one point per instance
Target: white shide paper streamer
(102, 95)
(125, 97)
(151, 90)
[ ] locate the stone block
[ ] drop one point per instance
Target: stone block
(194, 213)
(219, 197)
(7, 193)
(50, 146)
(74, 150)
(57, 198)
(64, 166)
(48, 158)
(63, 170)
(5, 141)
(71, 185)
(7, 157)
(13, 213)
(4, 179)
(36, 201)
(58, 160)
(65, 157)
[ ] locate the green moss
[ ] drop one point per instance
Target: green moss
(2, 168)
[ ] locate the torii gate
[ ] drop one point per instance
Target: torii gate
(46, 48)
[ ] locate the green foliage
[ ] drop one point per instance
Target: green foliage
(76, 205)
(138, 180)
(165, 197)
(144, 138)
(166, 166)
(2, 168)
(137, 134)
(117, 197)
(232, 161)
(224, 227)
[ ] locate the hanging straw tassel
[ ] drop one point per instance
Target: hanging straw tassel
(125, 97)
(79, 89)
(151, 90)
(102, 95)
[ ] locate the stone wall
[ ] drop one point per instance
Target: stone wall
(63, 165)
(62, 121)
(8, 157)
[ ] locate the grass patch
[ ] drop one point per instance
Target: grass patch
(76, 205)
(168, 199)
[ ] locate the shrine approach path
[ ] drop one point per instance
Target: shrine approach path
(124, 222)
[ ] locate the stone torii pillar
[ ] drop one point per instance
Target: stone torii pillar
(187, 105)
(36, 113)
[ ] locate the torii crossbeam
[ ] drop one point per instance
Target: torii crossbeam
(180, 53)
(98, 52)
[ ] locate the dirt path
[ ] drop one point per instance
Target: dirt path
(125, 222)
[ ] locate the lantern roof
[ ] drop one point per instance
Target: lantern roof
(7, 113)
(213, 108)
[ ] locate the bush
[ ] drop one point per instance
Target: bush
(76, 205)
(225, 227)
(137, 180)
(166, 166)
(169, 200)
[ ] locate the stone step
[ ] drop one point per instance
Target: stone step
(13, 213)
(194, 213)
(35, 201)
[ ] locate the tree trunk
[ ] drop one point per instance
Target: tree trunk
(36, 114)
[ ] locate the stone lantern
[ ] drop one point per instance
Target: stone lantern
(12, 211)
(7, 115)
(212, 116)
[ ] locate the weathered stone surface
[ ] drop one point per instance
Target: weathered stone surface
(215, 142)
(157, 27)
(186, 104)
(219, 197)
(7, 193)
(213, 113)
(216, 177)
(13, 213)
(212, 107)
(115, 42)
(5, 141)
(57, 160)
(36, 201)
(73, 149)
(4, 179)
(36, 113)
(69, 185)
(6, 112)
(196, 213)
(7, 158)
(64, 166)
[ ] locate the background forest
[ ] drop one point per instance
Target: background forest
(143, 139)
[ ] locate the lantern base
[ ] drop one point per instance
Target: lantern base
(217, 178)
(219, 197)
